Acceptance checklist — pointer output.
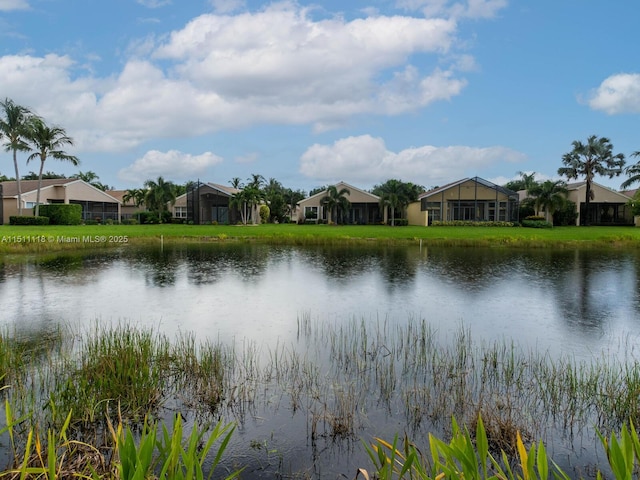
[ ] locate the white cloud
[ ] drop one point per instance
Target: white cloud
(9, 5)
(274, 66)
(172, 165)
(617, 94)
(154, 3)
(227, 6)
(455, 9)
(248, 158)
(366, 159)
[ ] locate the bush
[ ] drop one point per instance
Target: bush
(265, 213)
(62, 213)
(468, 223)
(566, 215)
(24, 220)
(535, 221)
(399, 222)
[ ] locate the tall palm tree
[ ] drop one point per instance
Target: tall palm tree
(159, 193)
(589, 159)
(235, 182)
(47, 142)
(549, 196)
(239, 201)
(336, 201)
(13, 125)
(292, 197)
(633, 171)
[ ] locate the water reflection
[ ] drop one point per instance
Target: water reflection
(550, 299)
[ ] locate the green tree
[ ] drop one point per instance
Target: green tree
(239, 201)
(235, 182)
(274, 196)
(336, 202)
(633, 171)
(46, 175)
(586, 160)
(47, 142)
(315, 190)
(136, 195)
(92, 179)
(396, 195)
(14, 129)
(525, 182)
(549, 196)
(158, 195)
(292, 197)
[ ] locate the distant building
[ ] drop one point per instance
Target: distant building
(96, 204)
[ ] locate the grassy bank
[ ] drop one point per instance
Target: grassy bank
(18, 239)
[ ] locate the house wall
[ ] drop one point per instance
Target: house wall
(467, 191)
(600, 195)
(416, 216)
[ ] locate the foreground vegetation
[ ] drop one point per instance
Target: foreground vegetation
(20, 239)
(64, 396)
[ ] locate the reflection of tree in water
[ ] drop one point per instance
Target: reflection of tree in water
(158, 266)
(210, 263)
(591, 289)
(472, 270)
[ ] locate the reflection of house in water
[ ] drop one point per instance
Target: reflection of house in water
(469, 199)
(207, 203)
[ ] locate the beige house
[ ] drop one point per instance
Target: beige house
(96, 204)
(469, 199)
(128, 209)
(607, 206)
(364, 208)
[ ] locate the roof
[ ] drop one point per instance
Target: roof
(340, 185)
(479, 180)
(10, 189)
(579, 185)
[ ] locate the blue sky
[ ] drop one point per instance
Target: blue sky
(310, 93)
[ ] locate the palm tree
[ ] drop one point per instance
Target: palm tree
(13, 126)
(47, 142)
(159, 193)
(136, 195)
(549, 196)
(336, 201)
(92, 179)
(396, 195)
(235, 182)
(593, 158)
(239, 201)
(633, 171)
(292, 197)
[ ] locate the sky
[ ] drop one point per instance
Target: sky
(315, 92)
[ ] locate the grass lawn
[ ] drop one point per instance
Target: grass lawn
(17, 239)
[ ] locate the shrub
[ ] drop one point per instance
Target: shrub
(62, 213)
(399, 222)
(24, 220)
(566, 215)
(468, 223)
(265, 213)
(536, 221)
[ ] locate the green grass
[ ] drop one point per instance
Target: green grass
(17, 239)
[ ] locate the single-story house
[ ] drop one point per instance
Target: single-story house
(128, 209)
(364, 207)
(207, 203)
(607, 207)
(469, 199)
(96, 204)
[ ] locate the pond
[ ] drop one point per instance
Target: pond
(562, 304)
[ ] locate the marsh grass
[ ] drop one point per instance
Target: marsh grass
(341, 376)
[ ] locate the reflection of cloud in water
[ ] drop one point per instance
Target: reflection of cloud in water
(548, 299)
